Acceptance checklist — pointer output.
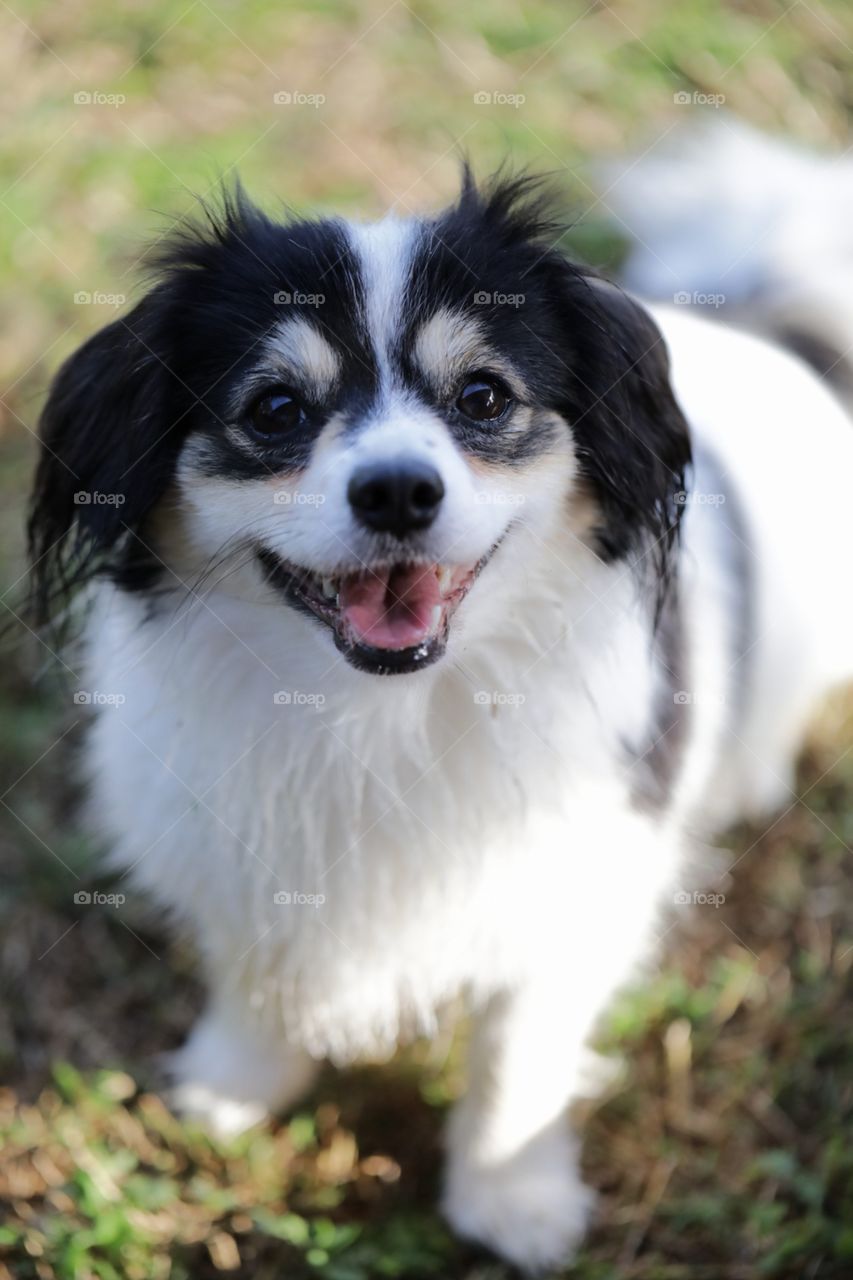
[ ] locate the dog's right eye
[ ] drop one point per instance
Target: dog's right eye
(275, 413)
(483, 399)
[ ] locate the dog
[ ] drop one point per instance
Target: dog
(442, 600)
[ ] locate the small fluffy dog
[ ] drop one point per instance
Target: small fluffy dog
(449, 594)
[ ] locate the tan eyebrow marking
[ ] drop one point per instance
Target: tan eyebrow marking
(307, 356)
(450, 344)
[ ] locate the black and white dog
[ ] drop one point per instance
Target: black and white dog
(448, 593)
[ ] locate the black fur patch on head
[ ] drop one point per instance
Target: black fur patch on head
(235, 288)
(122, 406)
(583, 349)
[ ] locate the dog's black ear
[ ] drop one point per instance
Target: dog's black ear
(631, 434)
(107, 436)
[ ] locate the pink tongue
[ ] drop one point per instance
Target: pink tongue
(391, 608)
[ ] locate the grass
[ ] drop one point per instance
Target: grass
(723, 1150)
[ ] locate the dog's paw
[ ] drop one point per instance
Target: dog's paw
(219, 1115)
(532, 1208)
(229, 1081)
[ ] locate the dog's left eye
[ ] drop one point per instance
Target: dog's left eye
(482, 399)
(275, 413)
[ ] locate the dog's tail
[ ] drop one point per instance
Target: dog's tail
(748, 227)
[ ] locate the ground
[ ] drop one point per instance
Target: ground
(723, 1148)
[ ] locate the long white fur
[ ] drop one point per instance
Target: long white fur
(462, 844)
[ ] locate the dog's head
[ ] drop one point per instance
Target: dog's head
(366, 415)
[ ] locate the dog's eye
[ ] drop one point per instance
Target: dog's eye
(275, 413)
(482, 399)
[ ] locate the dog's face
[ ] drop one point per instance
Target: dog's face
(366, 414)
(377, 440)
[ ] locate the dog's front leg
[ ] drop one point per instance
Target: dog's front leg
(233, 1070)
(512, 1180)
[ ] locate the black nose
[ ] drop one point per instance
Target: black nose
(398, 498)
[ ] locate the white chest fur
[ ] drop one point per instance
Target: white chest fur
(354, 851)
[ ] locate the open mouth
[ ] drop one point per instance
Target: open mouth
(387, 619)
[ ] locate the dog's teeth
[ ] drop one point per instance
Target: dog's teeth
(445, 579)
(435, 618)
(329, 589)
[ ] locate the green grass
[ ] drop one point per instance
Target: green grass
(724, 1148)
